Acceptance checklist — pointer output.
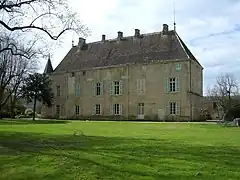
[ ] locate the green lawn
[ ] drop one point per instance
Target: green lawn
(118, 150)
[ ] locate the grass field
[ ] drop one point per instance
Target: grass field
(118, 150)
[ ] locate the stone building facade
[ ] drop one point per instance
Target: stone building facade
(144, 76)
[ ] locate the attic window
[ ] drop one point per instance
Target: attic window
(73, 74)
(84, 73)
(178, 67)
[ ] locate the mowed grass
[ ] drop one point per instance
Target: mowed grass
(118, 150)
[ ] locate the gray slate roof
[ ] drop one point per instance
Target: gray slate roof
(143, 49)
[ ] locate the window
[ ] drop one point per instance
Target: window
(72, 74)
(98, 89)
(140, 108)
(98, 109)
(140, 86)
(116, 87)
(116, 109)
(172, 84)
(178, 67)
(57, 110)
(84, 73)
(58, 90)
(173, 108)
(77, 110)
(77, 89)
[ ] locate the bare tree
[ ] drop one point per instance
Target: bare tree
(224, 91)
(13, 68)
(37, 18)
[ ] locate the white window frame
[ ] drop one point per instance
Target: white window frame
(141, 87)
(77, 89)
(140, 108)
(172, 84)
(178, 67)
(116, 87)
(98, 89)
(98, 109)
(77, 109)
(173, 108)
(117, 109)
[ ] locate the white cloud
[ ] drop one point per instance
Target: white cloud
(209, 28)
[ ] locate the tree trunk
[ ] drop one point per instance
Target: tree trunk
(34, 107)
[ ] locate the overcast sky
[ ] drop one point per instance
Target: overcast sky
(210, 28)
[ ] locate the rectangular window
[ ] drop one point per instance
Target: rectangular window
(172, 84)
(98, 89)
(178, 67)
(97, 109)
(58, 90)
(117, 109)
(141, 86)
(77, 90)
(116, 87)
(140, 108)
(174, 108)
(57, 110)
(77, 110)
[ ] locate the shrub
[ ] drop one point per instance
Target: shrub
(5, 115)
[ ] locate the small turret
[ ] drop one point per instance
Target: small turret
(48, 67)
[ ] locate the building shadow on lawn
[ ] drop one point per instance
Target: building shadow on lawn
(109, 157)
(23, 122)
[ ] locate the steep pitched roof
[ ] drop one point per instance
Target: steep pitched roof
(129, 50)
(48, 67)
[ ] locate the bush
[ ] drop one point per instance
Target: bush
(5, 115)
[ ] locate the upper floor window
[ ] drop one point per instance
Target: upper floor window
(98, 89)
(172, 84)
(77, 89)
(58, 90)
(141, 86)
(116, 87)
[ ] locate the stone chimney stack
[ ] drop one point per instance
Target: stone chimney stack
(137, 33)
(120, 35)
(103, 37)
(81, 42)
(165, 28)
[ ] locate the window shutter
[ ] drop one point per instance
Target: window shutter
(167, 109)
(111, 109)
(138, 86)
(102, 88)
(166, 85)
(121, 87)
(144, 86)
(120, 109)
(178, 109)
(177, 84)
(101, 109)
(94, 88)
(110, 88)
(94, 110)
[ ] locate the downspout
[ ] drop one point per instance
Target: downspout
(190, 88)
(128, 91)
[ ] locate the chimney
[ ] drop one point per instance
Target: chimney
(137, 33)
(103, 37)
(165, 28)
(120, 35)
(81, 42)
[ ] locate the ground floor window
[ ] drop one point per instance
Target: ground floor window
(117, 109)
(57, 110)
(77, 110)
(140, 108)
(174, 108)
(98, 109)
